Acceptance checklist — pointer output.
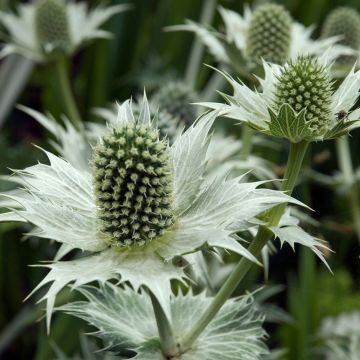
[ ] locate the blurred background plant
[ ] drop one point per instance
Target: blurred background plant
(140, 54)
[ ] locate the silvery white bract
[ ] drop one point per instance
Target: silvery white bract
(59, 200)
(261, 110)
(229, 46)
(342, 336)
(83, 25)
(234, 333)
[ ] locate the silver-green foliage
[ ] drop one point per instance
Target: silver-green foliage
(125, 321)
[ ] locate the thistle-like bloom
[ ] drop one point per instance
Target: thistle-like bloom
(139, 206)
(345, 23)
(267, 33)
(46, 26)
(297, 101)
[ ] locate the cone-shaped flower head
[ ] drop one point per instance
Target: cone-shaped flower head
(133, 185)
(52, 26)
(269, 34)
(175, 98)
(345, 22)
(305, 86)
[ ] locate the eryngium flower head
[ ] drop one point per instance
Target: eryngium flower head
(345, 23)
(43, 26)
(133, 185)
(52, 25)
(86, 208)
(305, 86)
(297, 101)
(269, 34)
(176, 98)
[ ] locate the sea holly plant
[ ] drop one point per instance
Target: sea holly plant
(42, 27)
(268, 32)
(50, 31)
(297, 103)
(137, 208)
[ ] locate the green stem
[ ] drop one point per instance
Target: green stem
(66, 92)
(264, 234)
(167, 340)
(195, 57)
(345, 164)
(246, 142)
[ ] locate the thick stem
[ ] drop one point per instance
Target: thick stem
(194, 61)
(295, 159)
(246, 142)
(66, 93)
(345, 164)
(166, 336)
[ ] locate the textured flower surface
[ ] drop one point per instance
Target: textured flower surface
(258, 34)
(345, 23)
(297, 101)
(44, 26)
(234, 333)
(139, 205)
(342, 336)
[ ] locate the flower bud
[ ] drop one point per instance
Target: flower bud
(344, 22)
(269, 34)
(176, 99)
(52, 26)
(133, 185)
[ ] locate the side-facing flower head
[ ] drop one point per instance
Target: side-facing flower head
(267, 33)
(137, 207)
(44, 26)
(297, 101)
(345, 23)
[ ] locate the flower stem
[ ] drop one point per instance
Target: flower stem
(344, 159)
(246, 142)
(194, 61)
(167, 340)
(66, 92)
(295, 159)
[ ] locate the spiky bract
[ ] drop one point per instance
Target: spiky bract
(133, 185)
(269, 34)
